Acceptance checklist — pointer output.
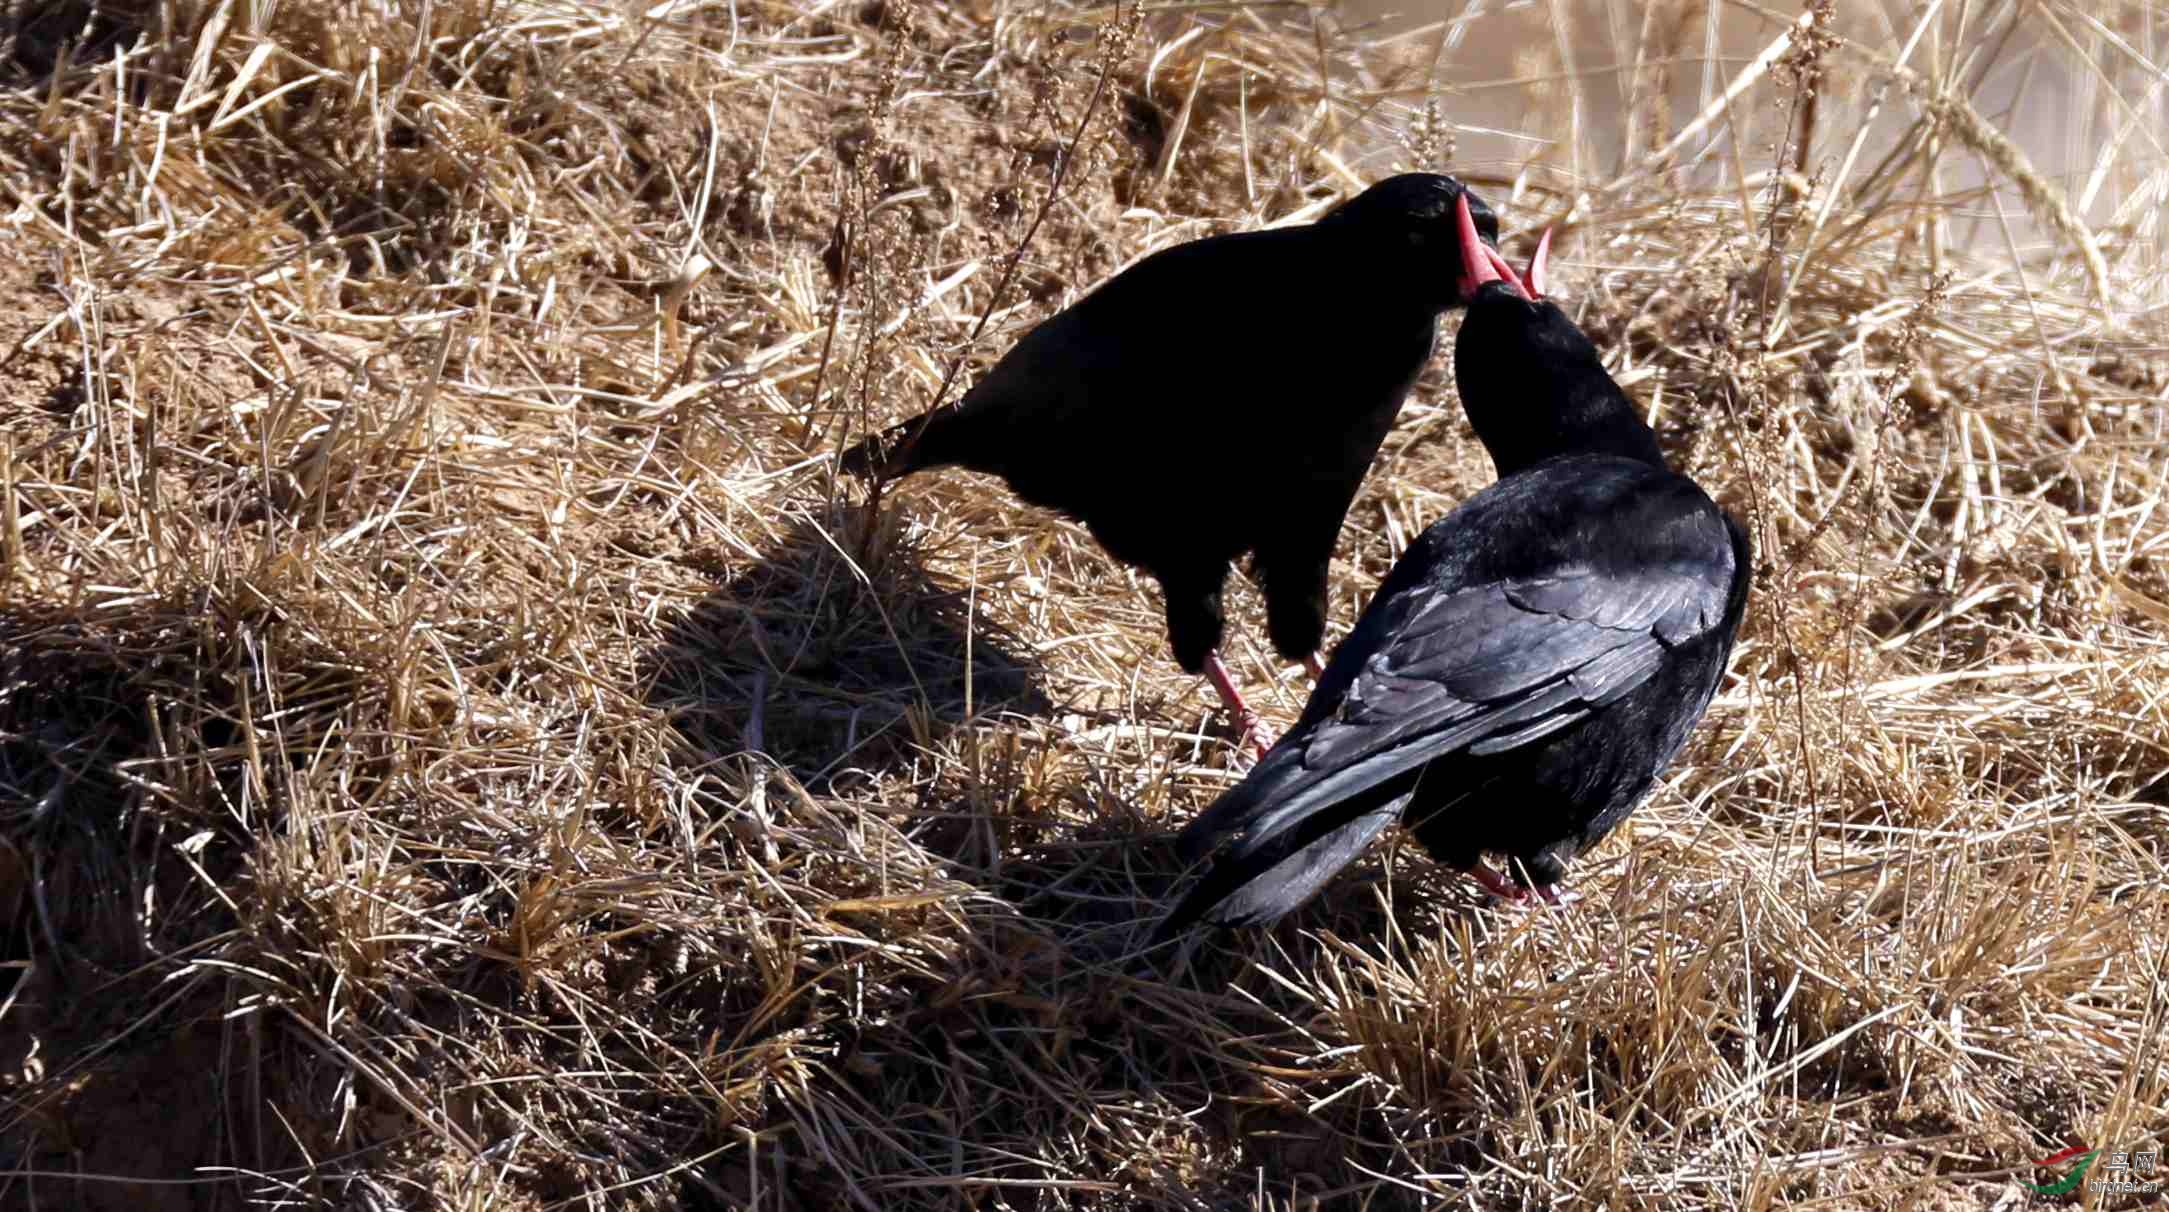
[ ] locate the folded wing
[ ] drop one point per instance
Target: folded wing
(1478, 669)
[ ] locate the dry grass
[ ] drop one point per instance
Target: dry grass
(460, 747)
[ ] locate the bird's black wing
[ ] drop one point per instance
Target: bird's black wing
(1103, 369)
(1436, 669)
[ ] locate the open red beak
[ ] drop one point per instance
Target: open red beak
(1481, 263)
(1534, 279)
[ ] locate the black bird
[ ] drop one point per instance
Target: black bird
(1155, 408)
(1528, 667)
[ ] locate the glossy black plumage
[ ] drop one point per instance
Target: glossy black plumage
(1219, 398)
(1530, 665)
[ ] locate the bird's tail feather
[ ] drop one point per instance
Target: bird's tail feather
(1283, 791)
(1259, 881)
(1278, 771)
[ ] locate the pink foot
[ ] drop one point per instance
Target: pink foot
(1316, 665)
(1252, 732)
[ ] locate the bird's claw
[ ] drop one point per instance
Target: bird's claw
(1252, 741)
(1558, 896)
(1249, 731)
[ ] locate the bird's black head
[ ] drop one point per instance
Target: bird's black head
(1410, 218)
(1531, 381)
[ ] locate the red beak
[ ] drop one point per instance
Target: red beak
(1481, 263)
(1537, 265)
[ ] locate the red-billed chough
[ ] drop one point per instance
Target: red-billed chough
(1528, 667)
(1218, 398)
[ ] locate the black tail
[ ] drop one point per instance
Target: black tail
(1258, 883)
(1298, 828)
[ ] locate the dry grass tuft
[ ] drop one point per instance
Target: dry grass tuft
(461, 747)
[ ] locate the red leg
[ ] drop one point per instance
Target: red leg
(1232, 699)
(1316, 665)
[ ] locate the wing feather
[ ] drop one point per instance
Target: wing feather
(1482, 670)
(1436, 668)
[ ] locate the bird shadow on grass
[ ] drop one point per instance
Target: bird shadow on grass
(1011, 887)
(1027, 997)
(39, 36)
(980, 933)
(829, 664)
(104, 714)
(80, 752)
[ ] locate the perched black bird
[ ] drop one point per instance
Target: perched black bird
(1531, 663)
(1156, 408)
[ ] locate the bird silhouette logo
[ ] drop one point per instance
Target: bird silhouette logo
(2085, 1158)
